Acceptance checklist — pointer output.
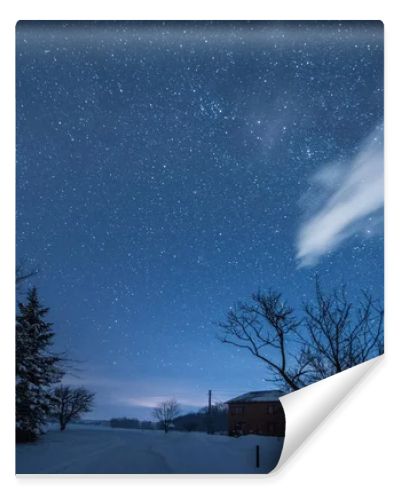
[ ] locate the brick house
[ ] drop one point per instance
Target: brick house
(258, 412)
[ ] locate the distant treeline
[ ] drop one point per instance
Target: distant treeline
(132, 423)
(200, 421)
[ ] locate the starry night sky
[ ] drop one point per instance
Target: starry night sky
(166, 170)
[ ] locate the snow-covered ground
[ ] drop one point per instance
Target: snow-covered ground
(83, 449)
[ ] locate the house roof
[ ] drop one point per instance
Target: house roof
(257, 397)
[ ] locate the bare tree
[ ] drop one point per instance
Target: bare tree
(166, 412)
(339, 334)
(69, 404)
(331, 336)
(263, 327)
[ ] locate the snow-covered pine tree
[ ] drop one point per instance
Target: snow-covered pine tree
(36, 368)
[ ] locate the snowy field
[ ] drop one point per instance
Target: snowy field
(83, 449)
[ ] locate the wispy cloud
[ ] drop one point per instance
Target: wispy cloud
(152, 401)
(341, 198)
(116, 396)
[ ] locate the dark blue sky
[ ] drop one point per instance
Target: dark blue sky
(167, 170)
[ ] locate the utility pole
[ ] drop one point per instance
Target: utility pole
(209, 429)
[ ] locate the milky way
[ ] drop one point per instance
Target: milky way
(162, 170)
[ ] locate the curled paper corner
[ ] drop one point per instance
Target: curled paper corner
(307, 408)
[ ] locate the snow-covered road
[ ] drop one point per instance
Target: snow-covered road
(101, 450)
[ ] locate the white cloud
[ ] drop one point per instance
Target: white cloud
(152, 401)
(341, 198)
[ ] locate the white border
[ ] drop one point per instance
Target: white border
(368, 419)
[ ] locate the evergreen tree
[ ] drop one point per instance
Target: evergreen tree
(36, 368)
